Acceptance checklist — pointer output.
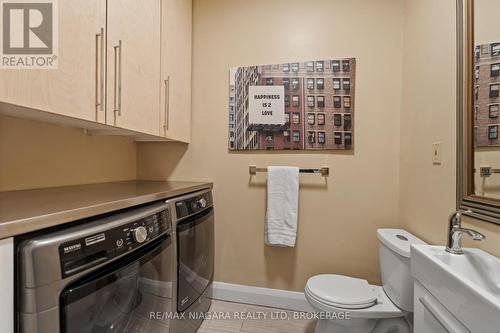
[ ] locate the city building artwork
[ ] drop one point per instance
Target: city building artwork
(319, 102)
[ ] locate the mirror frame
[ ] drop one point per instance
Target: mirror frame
(481, 207)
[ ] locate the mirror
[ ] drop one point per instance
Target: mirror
(478, 177)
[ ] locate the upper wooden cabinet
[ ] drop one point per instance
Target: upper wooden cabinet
(176, 31)
(76, 86)
(123, 63)
(134, 64)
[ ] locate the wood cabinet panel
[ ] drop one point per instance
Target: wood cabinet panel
(176, 69)
(71, 88)
(134, 65)
(123, 63)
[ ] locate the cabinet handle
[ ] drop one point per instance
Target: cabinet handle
(167, 105)
(117, 98)
(99, 71)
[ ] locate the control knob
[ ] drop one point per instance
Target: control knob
(140, 234)
(201, 203)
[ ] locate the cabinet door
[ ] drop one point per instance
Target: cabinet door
(134, 65)
(430, 316)
(176, 69)
(74, 88)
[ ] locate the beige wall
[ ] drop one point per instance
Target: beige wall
(338, 217)
(427, 192)
(486, 22)
(34, 154)
(487, 186)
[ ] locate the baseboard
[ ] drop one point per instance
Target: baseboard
(276, 298)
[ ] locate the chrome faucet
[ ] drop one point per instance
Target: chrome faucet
(455, 231)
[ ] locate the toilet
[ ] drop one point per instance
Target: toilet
(349, 305)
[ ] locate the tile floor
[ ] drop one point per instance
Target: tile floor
(244, 318)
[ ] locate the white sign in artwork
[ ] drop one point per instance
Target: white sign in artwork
(266, 105)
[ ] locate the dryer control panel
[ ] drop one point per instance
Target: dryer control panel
(192, 205)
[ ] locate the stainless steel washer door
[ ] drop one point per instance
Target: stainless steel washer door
(121, 298)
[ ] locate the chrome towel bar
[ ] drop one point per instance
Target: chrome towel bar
(324, 171)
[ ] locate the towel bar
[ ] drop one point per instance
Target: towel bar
(324, 171)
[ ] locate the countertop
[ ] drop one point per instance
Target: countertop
(29, 210)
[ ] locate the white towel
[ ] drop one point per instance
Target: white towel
(282, 205)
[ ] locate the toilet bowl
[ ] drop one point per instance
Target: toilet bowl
(349, 305)
(353, 304)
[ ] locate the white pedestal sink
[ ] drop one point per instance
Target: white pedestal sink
(460, 292)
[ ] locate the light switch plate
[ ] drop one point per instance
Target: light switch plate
(485, 171)
(436, 153)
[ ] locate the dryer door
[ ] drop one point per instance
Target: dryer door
(195, 255)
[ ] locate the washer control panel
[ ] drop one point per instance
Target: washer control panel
(82, 253)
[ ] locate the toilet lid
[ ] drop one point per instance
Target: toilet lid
(341, 291)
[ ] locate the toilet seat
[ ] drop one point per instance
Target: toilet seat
(341, 291)
(381, 308)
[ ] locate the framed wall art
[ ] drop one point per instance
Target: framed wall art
(298, 105)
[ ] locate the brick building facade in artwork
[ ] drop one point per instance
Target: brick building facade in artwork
(319, 105)
(232, 117)
(244, 77)
(486, 95)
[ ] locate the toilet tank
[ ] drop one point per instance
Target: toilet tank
(394, 258)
